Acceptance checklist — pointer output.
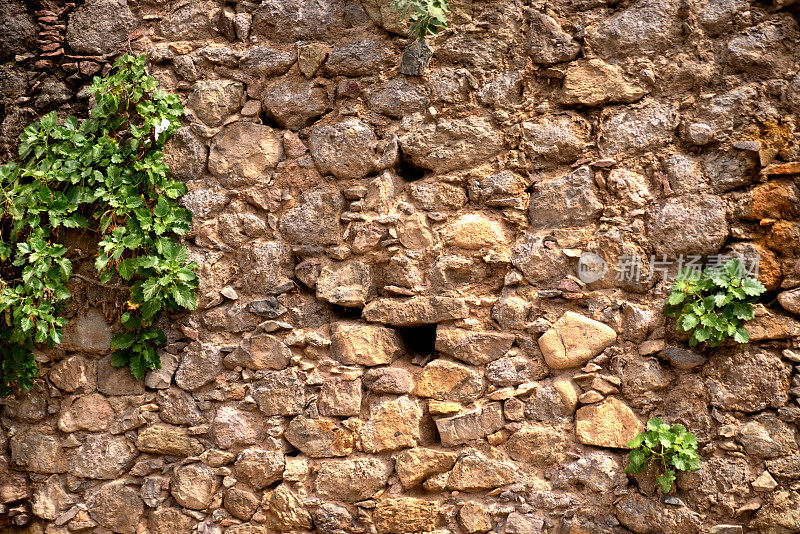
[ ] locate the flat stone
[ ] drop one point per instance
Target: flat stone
(37, 453)
(261, 351)
(645, 28)
(267, 266)
(537, 444)
(90, 412)
(610, 423)
(50, 498)
(340, 398)
(747, 380)
(553, 140)
(242, 154)
(637, 129)
(280, 393)
(392, 380)
(790, 300)
(258, 468)
(413, 466)
(88, 333)
(475, 231)
(348, 284)
(573, 340)
(785, 466)
(695, 224)
(475, 471)
(295, 104)
(74, 373)
(357, 343)
(593, 82)
(201, 363)
(415, 311)
(264, 61)
(115, 506)
(213, 101)
(310, 57)
(169, 521)
(567, 201)
(100, 27)
(193, 486)
(314, 219)
(682, 359)
(359, 58)
(392, 424)
(291, 21)
(540, 262)
(103, 457)
(241, 503)
(416, 58)
(450, 144)
(450, 381)
(13, 484)
(319, 438)
(473, 517)
(344, 149)
(351, 480)
(232, 427)
(286, 512)
(167, 439)
(517, 523)
(400, 515)
(473, 424)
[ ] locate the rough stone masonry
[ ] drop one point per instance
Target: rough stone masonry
(391, 335)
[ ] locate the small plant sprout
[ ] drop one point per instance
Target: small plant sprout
(426, 17)
(713, 304)
(673, 447)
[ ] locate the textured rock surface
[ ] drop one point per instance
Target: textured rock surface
(432, 276)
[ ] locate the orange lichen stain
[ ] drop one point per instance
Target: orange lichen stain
(775, 200)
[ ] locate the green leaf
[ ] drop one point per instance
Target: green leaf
(637, 461)
(666, 480)
(689, 321)
(741, 336)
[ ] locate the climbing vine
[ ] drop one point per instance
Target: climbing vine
(426, 17)
(105, 177)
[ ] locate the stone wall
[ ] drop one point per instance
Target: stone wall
(392, 336)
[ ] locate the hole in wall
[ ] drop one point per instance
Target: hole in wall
(345, 312)
(266, 120)
(419, 340)
(408, 171)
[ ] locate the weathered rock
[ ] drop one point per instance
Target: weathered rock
(388, 380)
(746, 380)
(682, 359)
(644, 28)
(764, 48)
(472, 517)
(268, 265)
(340, 398)
(345, 149)
(91, 412)
(88, 333)
(13, 484)
(241, 503)
(314, 220)
(610, 423)
(790, 300)
(574, 340)
(639, 513)
(567, 201)
(518, 523)
(74, 373)
(258, 468)
(416, 58)
(398, 97)
(515, 370)
(286, 513)
(399, 515)
(193, 486)
(190, 20)
(690, 225)
(785, 467)
(213, 101)
(413, 466)
(548, 43)
(450, 381)
(232, 427)
(293, 20)
(280, 393)
(392, 424)
(264, 61)
(637, 129)
(537, 444)
(167, 439)
(450, 144)
(351, 480)
(473, 424)
(261, 351)
(475, 471)
(779, 514)
(243, 153)
(103, 457)
(597, 470)
(475, 231)
(593, 82)
(50, 498)
(331, 518)
(295, 104)
(355, 343)
(169, 521)
(540, 262)
(766, 437)
(359, 58)
(559, 139)
(38, 453)
(100, 27)
(319, 438)
(26, 406)
(346, 284)
(17, 27)
(201, 363)
(415, 311)
(115, 506)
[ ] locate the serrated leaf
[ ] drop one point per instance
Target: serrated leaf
(666, 480)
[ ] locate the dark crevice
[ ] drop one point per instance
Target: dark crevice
(409, 171)
(419, 340)
(345, 312)
(266, 120)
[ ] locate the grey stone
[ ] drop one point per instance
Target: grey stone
(17, 29)
(340, 398)
(517, 523)
(450, 144)
(765, 48)
(398, 97)
(314, 220)
(103, 457)
(267, 267)
(190, 20)
(719, 15)
(727, 170)
(694, 224)
(261, 351)
(359, 58)
(115, 506)
(416, 58)
(243, 153)
(540, 263)
(415, 311)
(512, 371)
(179, 408)
(258, 468)
(280, 393)
(100, 27)
(746, 379)
(351, 480)
(116, 380)
(263, 61)
(548, 43)
(204, 203)
(201, 363)
(644, 28)
(186, 157)
(270, 308)
(559, 139)
(87, 332)
(637, 129)
(344, 149)
(682, 359)
(569, 200)
(295, 104)
(473, 424)
(37, 453)
(477, 348)
(297, 20)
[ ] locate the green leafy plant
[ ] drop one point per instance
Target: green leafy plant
(426, 17)
(673, 447)
(104, 177)
(713, 304)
